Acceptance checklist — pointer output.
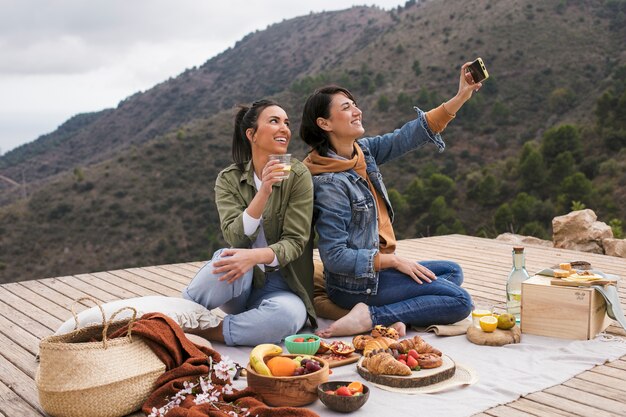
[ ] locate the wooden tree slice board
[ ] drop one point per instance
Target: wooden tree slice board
(334, 360)
(498, 337)
(421, 378)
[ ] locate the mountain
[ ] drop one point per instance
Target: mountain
(261, 64)
(133, 185)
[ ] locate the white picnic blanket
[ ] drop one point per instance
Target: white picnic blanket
(505, 373)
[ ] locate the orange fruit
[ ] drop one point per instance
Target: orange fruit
(355, 387)
(282, 366)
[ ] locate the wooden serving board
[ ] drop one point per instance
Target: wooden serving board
(334, 360)
(564, 283)
(498, 337)
(421, 378)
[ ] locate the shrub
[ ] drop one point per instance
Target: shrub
(561, 99)
(416, 68)
(383, 103)
(616, 227)
(503, 219)
(535, 229)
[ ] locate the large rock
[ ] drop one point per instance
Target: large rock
(580, 230)
(521, 240)
(615, 247)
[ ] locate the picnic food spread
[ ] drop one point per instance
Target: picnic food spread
(407, 363)
(579, 273)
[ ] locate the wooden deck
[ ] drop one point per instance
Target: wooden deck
(31, 310)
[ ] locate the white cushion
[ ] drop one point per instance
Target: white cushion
(188, 314)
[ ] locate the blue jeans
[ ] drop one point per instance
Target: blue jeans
(254, 315)
(399, 298)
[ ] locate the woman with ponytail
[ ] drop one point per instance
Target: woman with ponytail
(264, 281)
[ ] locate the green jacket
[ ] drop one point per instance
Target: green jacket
(286, 222)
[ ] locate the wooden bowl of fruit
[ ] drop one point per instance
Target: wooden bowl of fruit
(291, 384)
(343, 396)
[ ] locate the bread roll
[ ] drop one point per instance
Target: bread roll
(566, 266)
(562, 273)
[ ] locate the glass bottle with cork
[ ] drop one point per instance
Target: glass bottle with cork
(514, 283)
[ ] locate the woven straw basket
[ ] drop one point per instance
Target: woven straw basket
(111, 378)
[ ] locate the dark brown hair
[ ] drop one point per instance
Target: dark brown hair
(246, 118)
(318, 105)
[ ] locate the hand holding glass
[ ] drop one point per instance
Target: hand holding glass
(285, 160)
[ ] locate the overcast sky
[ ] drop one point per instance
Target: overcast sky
(63, 57)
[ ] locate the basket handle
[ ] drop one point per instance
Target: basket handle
(130, 324)
(86, 299)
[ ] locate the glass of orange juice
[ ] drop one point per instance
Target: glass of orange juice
(285, 160)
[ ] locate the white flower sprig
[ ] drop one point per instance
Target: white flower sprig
(205, 392)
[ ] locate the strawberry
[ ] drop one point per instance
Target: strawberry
(414, 353)
(344, 392)
(411, 362)
(402, 356)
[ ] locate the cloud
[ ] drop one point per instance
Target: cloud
(63, 57)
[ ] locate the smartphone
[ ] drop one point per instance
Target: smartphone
(478, 70)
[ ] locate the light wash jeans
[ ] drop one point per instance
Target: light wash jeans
(399, 298)
(254, 315)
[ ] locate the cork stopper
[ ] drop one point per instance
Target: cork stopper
(518, 249)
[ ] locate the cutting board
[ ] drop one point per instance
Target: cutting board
(498, 337)
(564, 283)
(421, 378)
(334, 360)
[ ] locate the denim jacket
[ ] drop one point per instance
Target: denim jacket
(345, 210)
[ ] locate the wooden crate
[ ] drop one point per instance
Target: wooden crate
(564, 312)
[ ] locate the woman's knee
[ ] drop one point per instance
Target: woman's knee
(465, 304)
(205, 287)
(287, 315)
(456, 273)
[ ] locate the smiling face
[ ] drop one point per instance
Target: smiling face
(345, 119)
(272, 134)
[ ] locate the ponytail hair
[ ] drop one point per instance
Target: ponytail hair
(318, 105)
(246, 118)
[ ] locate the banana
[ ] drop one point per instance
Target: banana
(260, 352)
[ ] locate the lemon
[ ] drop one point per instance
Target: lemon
(506, 321)
(488, 323)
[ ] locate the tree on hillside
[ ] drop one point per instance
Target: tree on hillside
(532, 170)
(483, 188)
(560, 139)
(439, 220)
(563, 166)
(576, 187)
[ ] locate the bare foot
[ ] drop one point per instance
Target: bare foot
(357, 321)
(400, 328)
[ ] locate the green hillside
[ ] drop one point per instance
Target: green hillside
(133, 185)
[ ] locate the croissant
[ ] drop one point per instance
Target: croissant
(382, 331)
(377, 343)
(384, 363)
(359, 341)
(416, 343)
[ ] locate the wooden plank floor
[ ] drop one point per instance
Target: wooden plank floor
(31, 310)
